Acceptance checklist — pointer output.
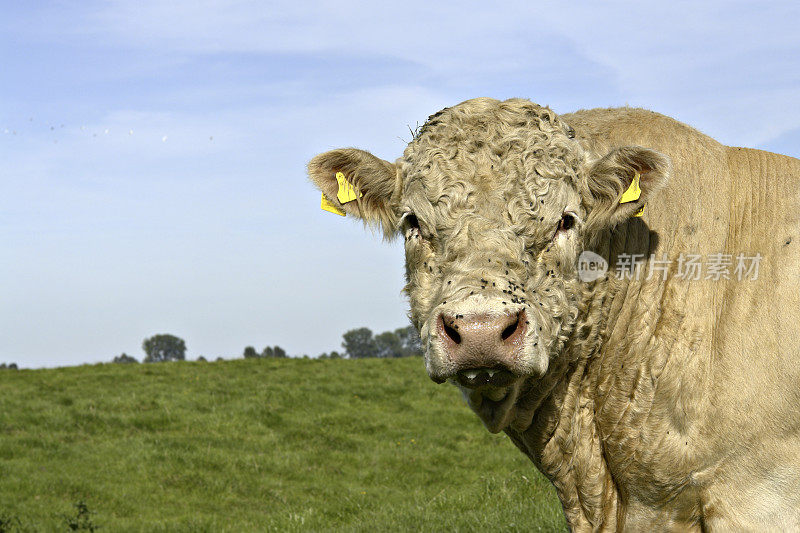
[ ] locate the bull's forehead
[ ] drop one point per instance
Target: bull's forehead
(512, 164)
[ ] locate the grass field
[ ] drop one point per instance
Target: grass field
(257, 445)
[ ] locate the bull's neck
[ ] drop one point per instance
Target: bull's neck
(564, 442)
(559, 428)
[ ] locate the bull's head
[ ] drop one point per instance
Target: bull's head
(496, 201)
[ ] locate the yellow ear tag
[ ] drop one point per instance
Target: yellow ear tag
(633, 193)
(347, 192)
(327, 205)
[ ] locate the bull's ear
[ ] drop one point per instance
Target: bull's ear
(619, 185)
(358, 183)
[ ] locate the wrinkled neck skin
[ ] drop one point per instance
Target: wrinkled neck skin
(557, 416)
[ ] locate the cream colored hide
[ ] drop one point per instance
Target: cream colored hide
(652, 400)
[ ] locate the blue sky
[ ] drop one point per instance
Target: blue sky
(153, 154)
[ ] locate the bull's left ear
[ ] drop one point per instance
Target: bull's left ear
(610, 193)
(357, 183)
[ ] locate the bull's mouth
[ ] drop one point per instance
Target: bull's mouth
(478, 378)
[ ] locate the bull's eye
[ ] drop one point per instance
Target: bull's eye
(410, 226)
(567, 222)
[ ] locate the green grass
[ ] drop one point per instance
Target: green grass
(257, 445)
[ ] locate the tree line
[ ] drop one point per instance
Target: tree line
(360, 343)
(357, 343)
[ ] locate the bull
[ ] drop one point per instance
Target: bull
(657, 390)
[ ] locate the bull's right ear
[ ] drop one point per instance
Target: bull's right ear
(367, 187)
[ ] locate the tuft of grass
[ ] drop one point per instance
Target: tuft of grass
(81, 520)
(9, 523)
(257, 445)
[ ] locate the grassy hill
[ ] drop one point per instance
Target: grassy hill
(255, 445)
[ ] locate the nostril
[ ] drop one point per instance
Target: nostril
(516, 329)
(510, 330)
(451, 332)
(449, 328)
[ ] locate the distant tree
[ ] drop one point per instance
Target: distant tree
(388, 345)
(273, 351)
(124, 358)
(219, 359)
(409, 340)
(202, 359)
(334, 355)
(10, 366)
(250, 352)
(164, 347)
(359, 343)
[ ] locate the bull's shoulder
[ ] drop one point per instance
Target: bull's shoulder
(765, 184)
(751, 161)
(764, 199)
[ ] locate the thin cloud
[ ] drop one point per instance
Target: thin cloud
(701, 62)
